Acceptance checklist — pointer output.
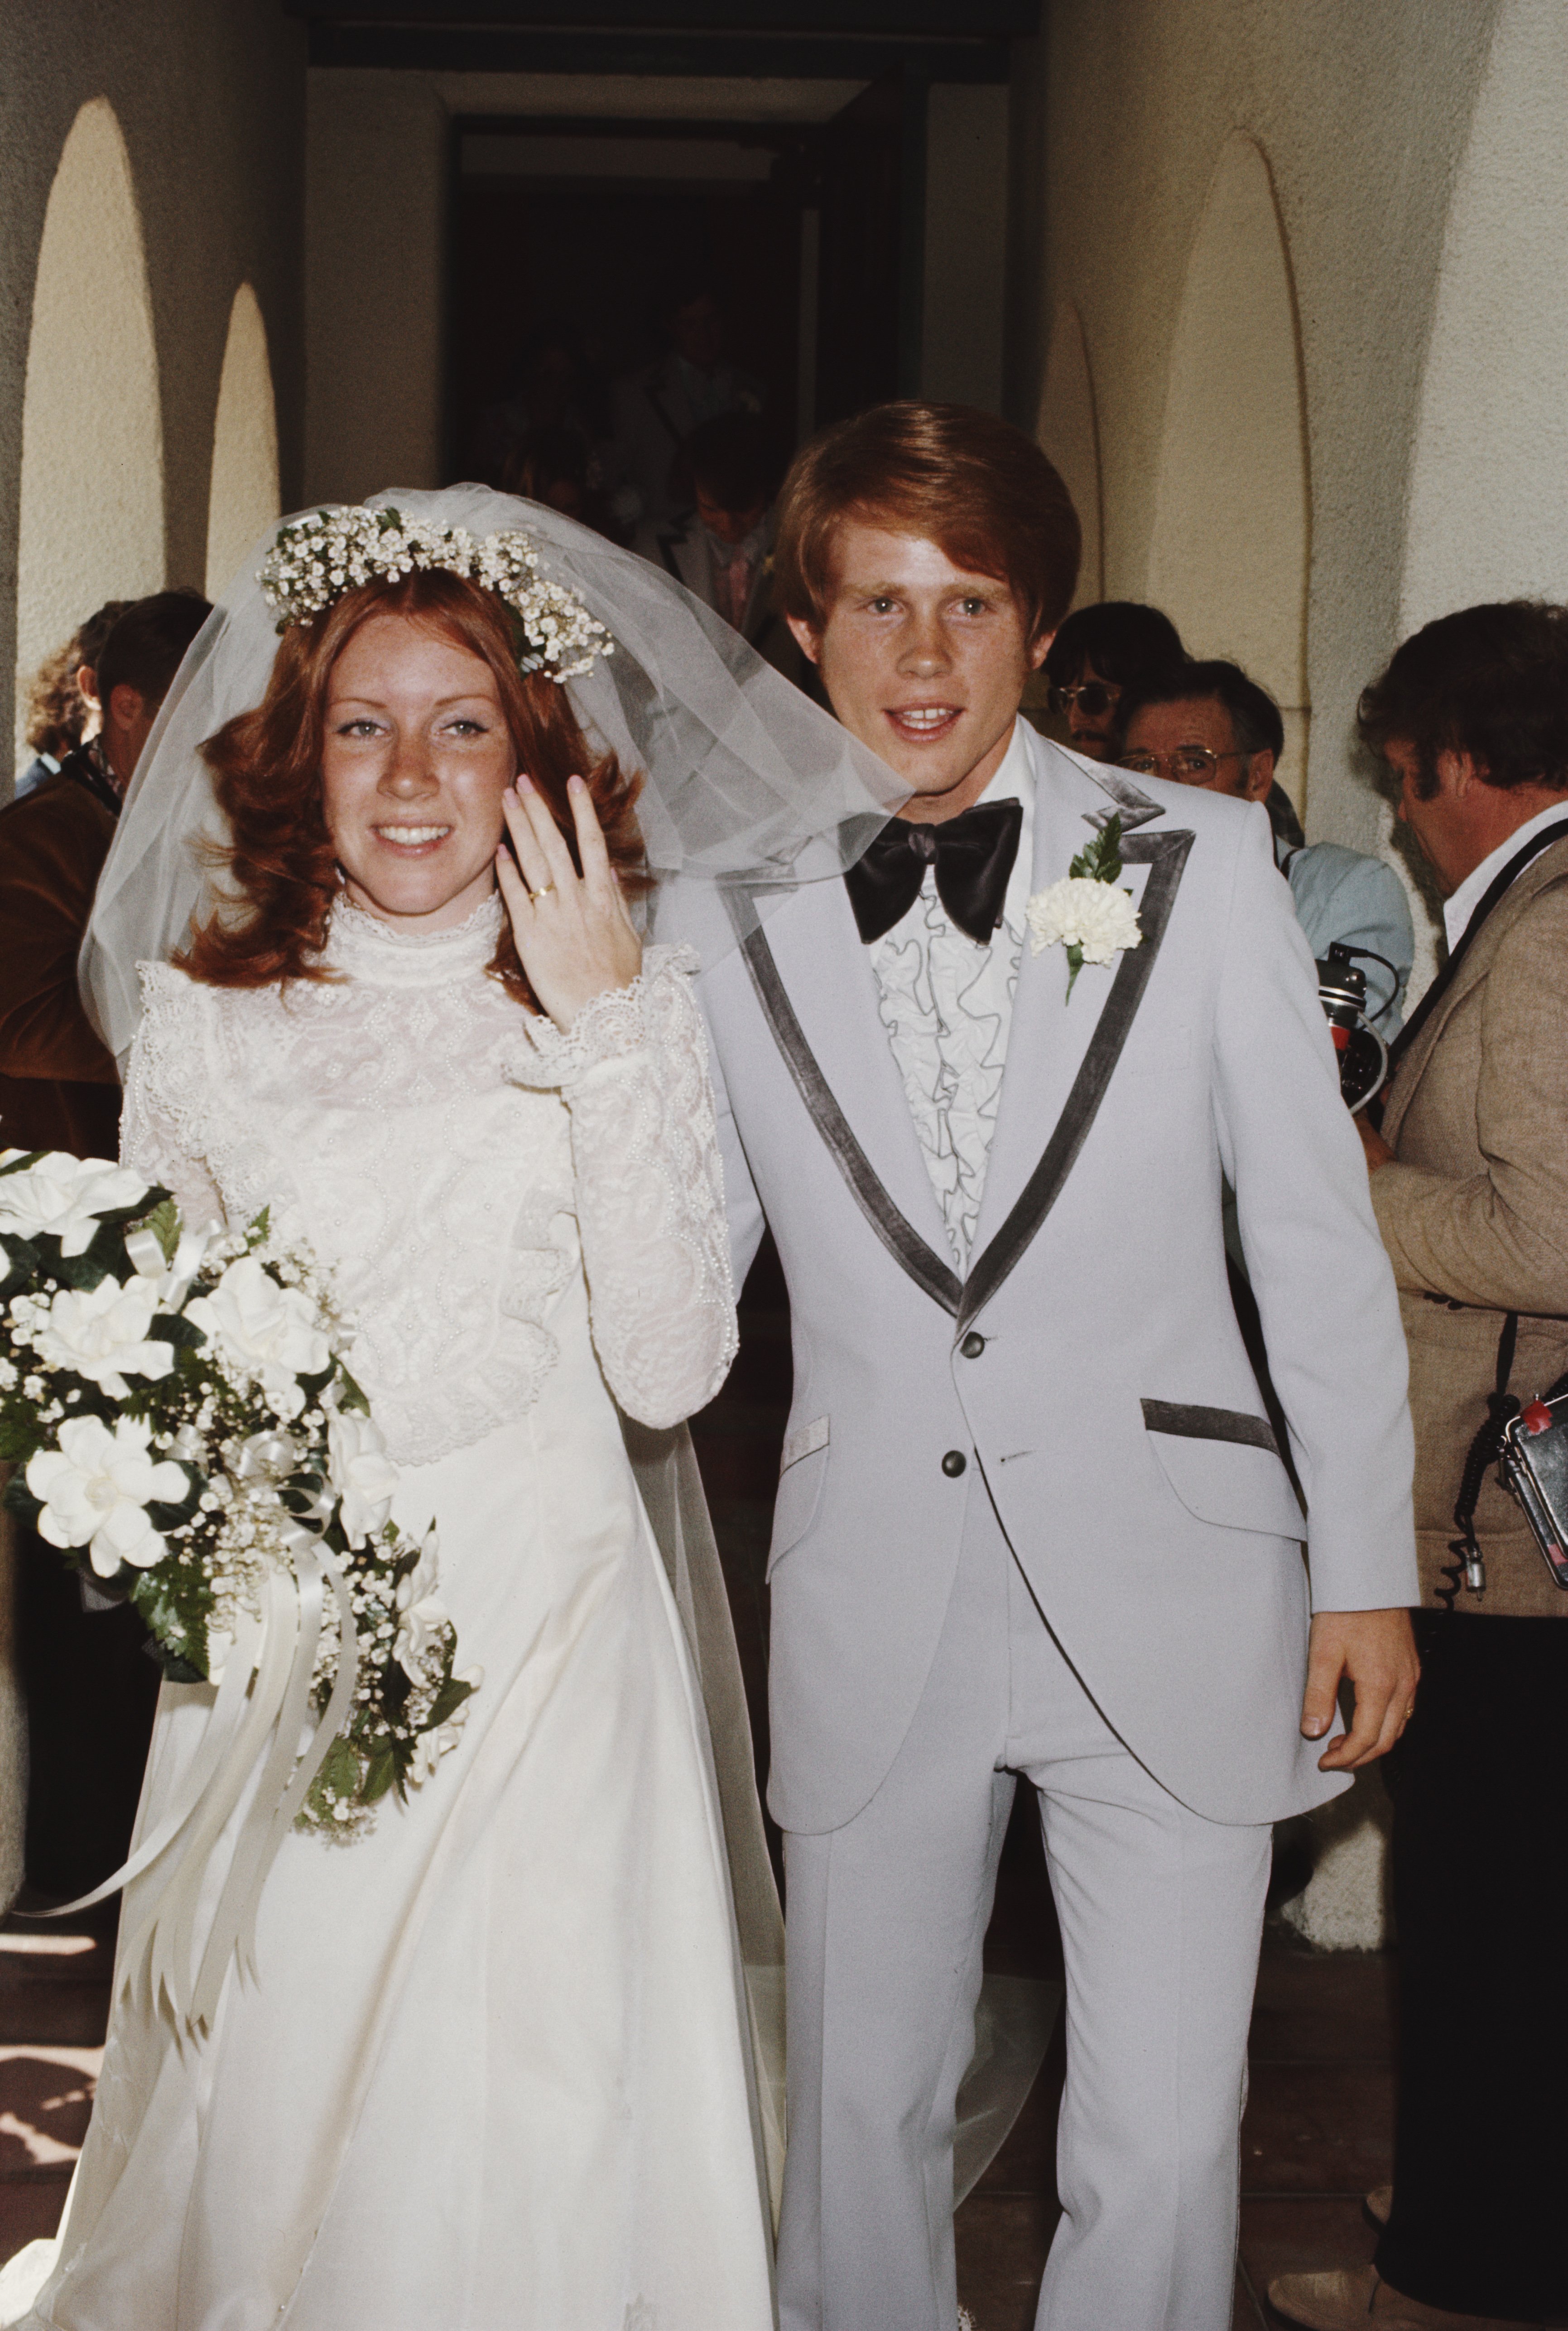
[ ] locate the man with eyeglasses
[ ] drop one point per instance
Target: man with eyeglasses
(1207, 724)
(1097, 655)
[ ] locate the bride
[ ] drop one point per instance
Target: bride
(495, 2071)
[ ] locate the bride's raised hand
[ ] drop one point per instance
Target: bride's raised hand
(574, 936)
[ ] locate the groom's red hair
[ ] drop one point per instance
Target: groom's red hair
(283, 873)
(968, 482)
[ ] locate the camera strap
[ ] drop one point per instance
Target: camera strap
(1502, 1407)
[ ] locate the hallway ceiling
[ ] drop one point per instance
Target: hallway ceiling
(939, 40)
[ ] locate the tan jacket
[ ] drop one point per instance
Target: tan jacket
(1475, 1214)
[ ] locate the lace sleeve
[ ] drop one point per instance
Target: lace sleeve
(159, 1129)
(633, 1072)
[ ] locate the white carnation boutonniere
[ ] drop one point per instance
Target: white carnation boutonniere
(1087, 913)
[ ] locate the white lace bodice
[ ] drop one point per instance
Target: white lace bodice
(455, 1159)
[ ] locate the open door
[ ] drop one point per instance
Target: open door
(872, 238)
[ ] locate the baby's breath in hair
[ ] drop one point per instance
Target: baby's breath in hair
(317, 559)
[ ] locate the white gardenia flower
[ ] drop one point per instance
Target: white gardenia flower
(420, 1614)
(100, 1333)
(1078, 911)
(268, 1333)
(95, 1489)
(361, 1471)
(63, 1196)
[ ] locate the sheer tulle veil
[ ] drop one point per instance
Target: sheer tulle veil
(751, 788)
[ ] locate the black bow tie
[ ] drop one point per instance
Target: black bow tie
(972, 855)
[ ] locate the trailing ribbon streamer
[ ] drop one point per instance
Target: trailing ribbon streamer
(265, 1693)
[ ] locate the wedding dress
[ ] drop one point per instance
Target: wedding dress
(494, 2075)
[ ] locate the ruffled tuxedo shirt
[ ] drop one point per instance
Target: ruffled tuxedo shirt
(947, 1004)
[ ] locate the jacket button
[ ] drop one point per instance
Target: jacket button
(972, 1345)
(952, 1464)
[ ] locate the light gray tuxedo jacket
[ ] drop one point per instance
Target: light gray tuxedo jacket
(1091, 1363)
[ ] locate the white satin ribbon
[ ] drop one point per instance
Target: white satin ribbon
(264, 1696)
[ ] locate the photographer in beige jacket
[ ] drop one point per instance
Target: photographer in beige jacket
(1469, 1183)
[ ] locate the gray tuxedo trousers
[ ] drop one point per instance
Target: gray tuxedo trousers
(1160, 1913)
(1081, 1397)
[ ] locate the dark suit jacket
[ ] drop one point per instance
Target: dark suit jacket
(58, 1085)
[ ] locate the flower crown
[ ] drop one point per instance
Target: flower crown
(318, 558)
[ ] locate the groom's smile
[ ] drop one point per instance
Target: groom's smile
(924, 660)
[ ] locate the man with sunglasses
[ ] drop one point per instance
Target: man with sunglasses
(1207, 724)
(1097, 655)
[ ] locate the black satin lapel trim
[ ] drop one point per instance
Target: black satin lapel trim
(1133, 806)
(898, 1235)
(1166, 855)
(1187, 1424)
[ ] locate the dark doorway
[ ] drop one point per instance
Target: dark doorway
(568, 230)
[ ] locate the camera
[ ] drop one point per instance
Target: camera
(1342, 991)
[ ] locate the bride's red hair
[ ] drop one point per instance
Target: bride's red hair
(282, 872)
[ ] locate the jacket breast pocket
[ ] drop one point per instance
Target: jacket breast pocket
(802, 1470)
(1224, 1467)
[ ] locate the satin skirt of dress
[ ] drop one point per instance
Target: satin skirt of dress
(493, 2075)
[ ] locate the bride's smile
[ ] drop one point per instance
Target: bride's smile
(414, 760)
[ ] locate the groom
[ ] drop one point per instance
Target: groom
(1032, 1520)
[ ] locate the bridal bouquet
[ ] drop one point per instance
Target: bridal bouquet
(184, 1428)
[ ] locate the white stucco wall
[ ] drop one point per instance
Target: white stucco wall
(244, 494)
(91, 507)
(1362, 115)
(210, 103)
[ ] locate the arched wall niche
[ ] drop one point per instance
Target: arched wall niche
(243, 497)
(1069, 436)
(1230, 547)
(1488, 492)
(90, 524)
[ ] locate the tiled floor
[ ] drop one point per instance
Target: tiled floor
(1318, 2130)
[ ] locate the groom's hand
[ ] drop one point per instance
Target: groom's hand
(1376, 1652)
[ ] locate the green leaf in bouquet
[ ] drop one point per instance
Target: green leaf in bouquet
(351, 1395)
(17, 1497)
(381, 1772)
(447, 1701)
(21, 1263)
(174, 1327)
(164, 1221)
(104, 1257)
(395, 1687)
(259, 1230)
(24, 1161)
(176, 1668)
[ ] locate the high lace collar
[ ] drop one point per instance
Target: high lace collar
(377, 952)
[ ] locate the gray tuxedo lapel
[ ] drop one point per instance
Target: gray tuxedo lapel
(1061, 1054)
(815, 982)
(813, 979)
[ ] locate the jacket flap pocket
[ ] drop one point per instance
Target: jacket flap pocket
(1238, 1483)
(801, 1471)
(803, 1441)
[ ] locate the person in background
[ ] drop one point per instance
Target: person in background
(1207, 724)
(723, 551)
(658, 408)
(1096, 653)
(58, 1088)
(559, 468)
(1469, 1184)
(90, 1693)
(62, 708)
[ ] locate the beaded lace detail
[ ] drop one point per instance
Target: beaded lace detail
(456, 1160)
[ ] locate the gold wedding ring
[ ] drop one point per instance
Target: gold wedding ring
(542, 892)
